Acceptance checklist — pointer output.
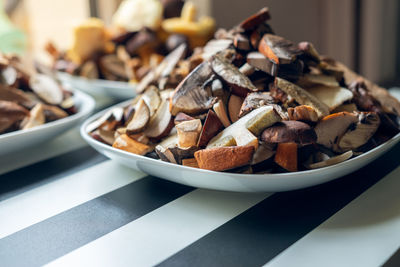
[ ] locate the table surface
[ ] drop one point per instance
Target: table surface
(63, 204)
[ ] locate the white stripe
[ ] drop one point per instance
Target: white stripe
(60, 145)
(364, 233)
(163, 232)
(43, 202)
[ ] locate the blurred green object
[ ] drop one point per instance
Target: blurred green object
(12, 40)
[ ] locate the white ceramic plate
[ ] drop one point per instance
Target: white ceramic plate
(22, 139)
(232, 181)
(97, 87)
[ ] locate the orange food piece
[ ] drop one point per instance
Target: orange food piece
(124, 142)
(286, 156)
(192, 162)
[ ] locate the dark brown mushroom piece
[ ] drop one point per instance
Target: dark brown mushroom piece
(310, 54)
(111, 64)
(172, 8)
(15, 95)
(190, 95)
(254, 101)
(255, 19)
(143, 38)
(89, 70)
(123, 37)
(302, 113)
(261, 62)
(278, 49)
(258, 33)
(289, 132)
(242, 42)
(175, 40)
(212, 126)
(11, 113)
(240, 84)
(139, 119)
(169, 151)
(53, 113)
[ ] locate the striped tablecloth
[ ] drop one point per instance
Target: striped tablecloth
(63, 204)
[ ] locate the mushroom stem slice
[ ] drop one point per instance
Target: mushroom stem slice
(140, 118)
(220, 110)
(332, 161)
(36, 117)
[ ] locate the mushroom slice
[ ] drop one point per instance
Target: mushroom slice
(289, 132)
(192, 162)
(332, 161)
(53, 113)
(89, 70)
(365, 128)
(331, 96)
(190, 95)
(152, 98)
(255, 19)
(309, 80)
(302, 113)
(302, 96)
(47, 89)
(214, 46)
(286, 156)
(36, 117)
(140, 118)
(124, 142)
(351, 107)
(240, 83)
(261, 62)
(247, 69)
(263, 153)
(188, 133)
(113, 65)
(244, 131)
(332, 127)
(10, 113)
(169, 151)
(224, 158)
(14, 95)
(234, 106)
(161, 123)
(310, 53)
(241, 42)
(107, 136)
(110, 119)
(278, 49)
(254, 101)
(220, 110)
(181, 117)
(212, 126)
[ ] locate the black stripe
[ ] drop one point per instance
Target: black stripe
(27, 178)
(58, 235)
(394, 260)
(262, 232)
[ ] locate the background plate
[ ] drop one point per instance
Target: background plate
(233, 181)
(22, 139)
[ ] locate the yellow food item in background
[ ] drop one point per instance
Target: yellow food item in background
(89, 38)
(133, 15)
(198, 32)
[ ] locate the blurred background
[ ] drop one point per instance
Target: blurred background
(364, 34)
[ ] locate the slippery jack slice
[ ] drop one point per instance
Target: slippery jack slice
(302, 96)
(278, 49)
(140, 118)
(35, 118)
(302, 113)
(161, 124)
(289, 132)
(46, 88)
(244, 131)
(224, 158)
(331, 161)
(255, 19)
(124, 142)
(190, 95)
(286, 156)
(211, 127)
(220, 110)
(333, 97)
(234, 106)
(188, 133)
(240, 83)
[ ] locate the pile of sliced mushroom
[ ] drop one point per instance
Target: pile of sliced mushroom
(29, 101)
(255, 103)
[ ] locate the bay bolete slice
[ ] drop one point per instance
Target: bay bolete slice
(332, 127)
(224, 158)
(211, 127)
(302, 96)
(47, 89)
(240, 83)
(139, 119)
(255, 19)
(190, 96)
(309, 51)
(278, 49)
(289, 132)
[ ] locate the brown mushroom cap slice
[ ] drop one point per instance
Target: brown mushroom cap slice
(240, 83)
(139, 119)
(47, 89)
(161, 123)
(111, 64)
(211, 127)
(290, 132)
(190, 95)
(359, 135)
(10, 113)
(53, 113)
(14, 95)
(302, 113)
(152, 98)
(169, 151)
(255, 19)
(278, 49)
(261, 62)
(286, 156)
(36, 117)
(302, 96)
(332, 127)
(254, 101)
